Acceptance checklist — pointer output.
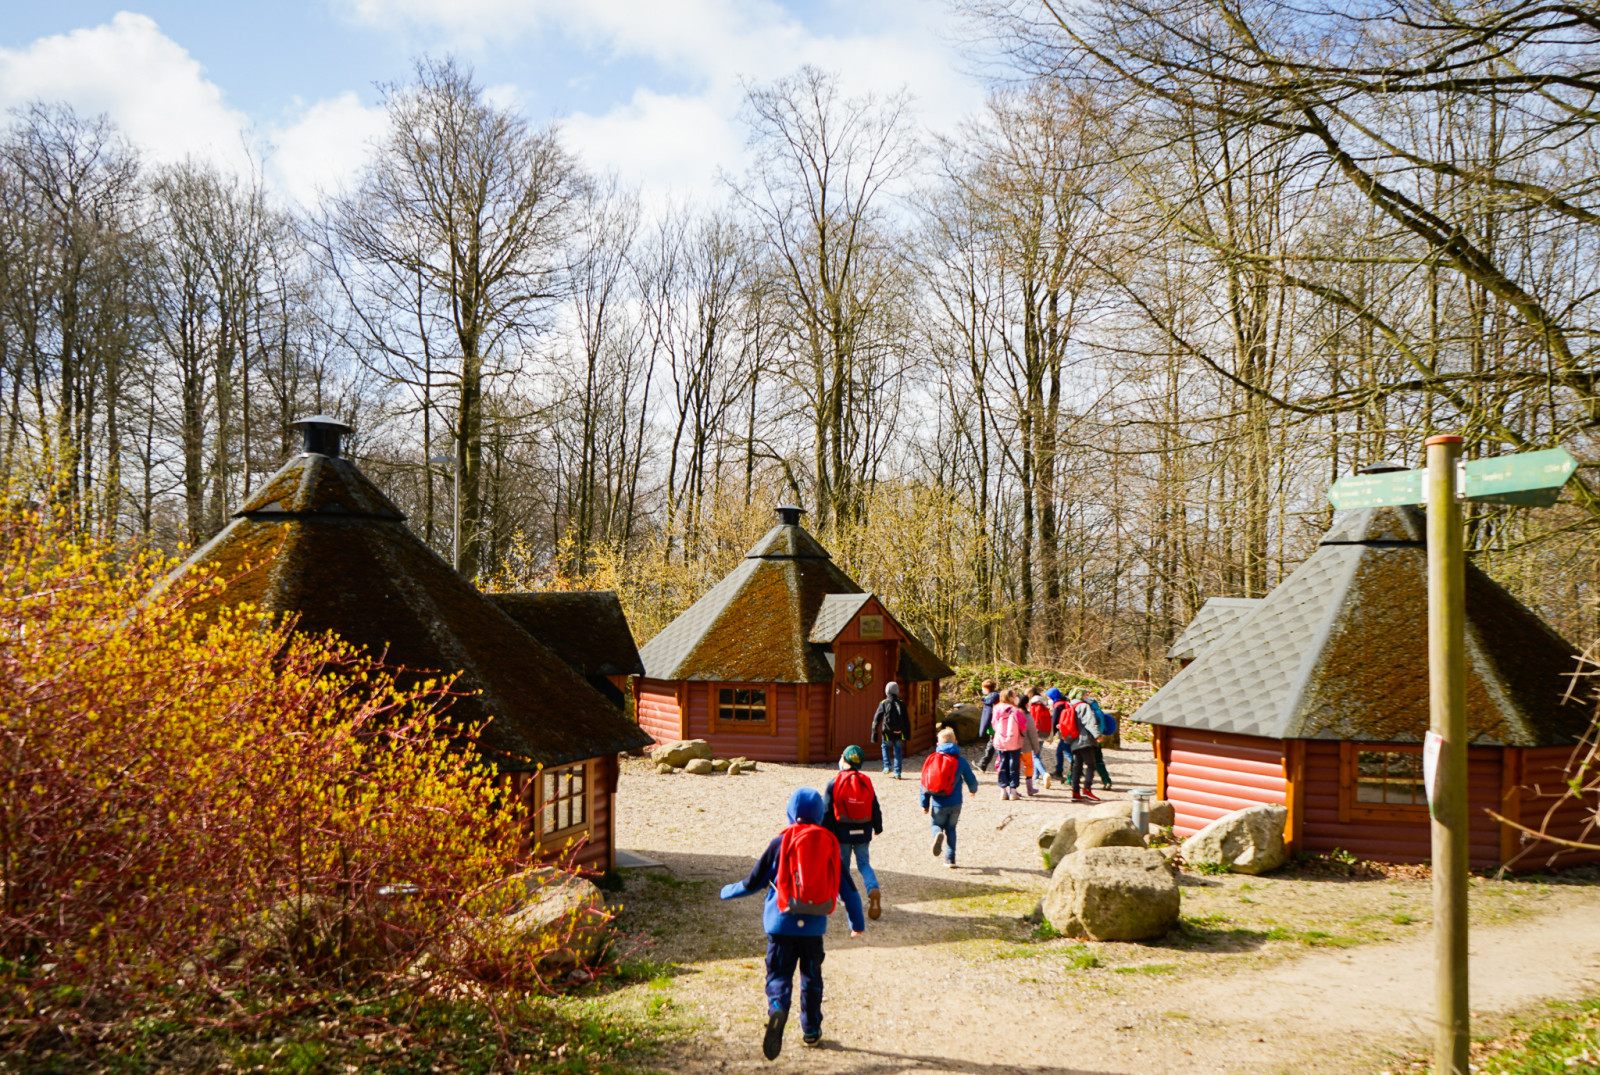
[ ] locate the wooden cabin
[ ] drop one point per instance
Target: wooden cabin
(1316, 697)
(321, 542)
(785, 659)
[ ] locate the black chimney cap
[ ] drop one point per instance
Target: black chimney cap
(322, 434)
(789, 514)
(1383, 466)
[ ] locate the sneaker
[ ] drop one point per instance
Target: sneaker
(1047, 781)
(950, 863)
(812, 1039)
(874, 903)
(1079, 799)
(938, 844)
(772, 1043)
(1091, 796)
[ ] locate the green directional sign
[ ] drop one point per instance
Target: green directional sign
(1531, 479)
(1377, 490)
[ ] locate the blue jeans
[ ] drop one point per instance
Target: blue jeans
(895, 748)
(1063, 752)
(943, 819)
(784, 955)
(862, 852)
(1010, 773)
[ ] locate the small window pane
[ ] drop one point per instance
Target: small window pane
(725, 696)
(549, 785)
(1369, 791)
(547, 818)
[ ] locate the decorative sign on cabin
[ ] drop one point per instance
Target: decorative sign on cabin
(871, 627)
(858, 674)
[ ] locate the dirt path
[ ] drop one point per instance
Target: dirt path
(951, 979)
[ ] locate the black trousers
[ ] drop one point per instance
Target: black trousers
(1084, 760)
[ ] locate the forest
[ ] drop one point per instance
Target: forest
(1045, 382)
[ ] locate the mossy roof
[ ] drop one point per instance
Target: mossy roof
(586, 629)
(1339, 651)
(321, 542)
(756, 624)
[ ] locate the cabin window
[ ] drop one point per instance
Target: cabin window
(741, 705)
(563, 799)
(924, 705)
(1381, 785)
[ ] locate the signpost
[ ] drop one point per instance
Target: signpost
(1532, 479)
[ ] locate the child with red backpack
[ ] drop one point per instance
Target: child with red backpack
(800, 873)
(1043, 725)
(851, 812)
(943, 773)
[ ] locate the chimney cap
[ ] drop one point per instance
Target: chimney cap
(322, 434)
(1383, 466)
(789, 514)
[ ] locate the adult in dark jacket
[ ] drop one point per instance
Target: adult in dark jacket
(855, 837)
(794, 940)
(891, 725)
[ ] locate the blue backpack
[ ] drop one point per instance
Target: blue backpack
(1108, 725)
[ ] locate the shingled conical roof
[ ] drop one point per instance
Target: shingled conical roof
(320, 541)
(756, 624)
(1340, 651)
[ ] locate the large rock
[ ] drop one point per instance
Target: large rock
(1117, 808)
(700, 766)
(1245, 841)
(558, 913)
(680, 753)
(1162, 816)
(964, 719)
(1107, 832)
(1064, 843)
(1112, 894)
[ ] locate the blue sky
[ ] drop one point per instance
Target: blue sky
(648, 88)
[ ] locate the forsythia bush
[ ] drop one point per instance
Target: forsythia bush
(186, 802)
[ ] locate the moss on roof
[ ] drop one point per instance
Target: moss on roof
(332, 550)
(587, 629)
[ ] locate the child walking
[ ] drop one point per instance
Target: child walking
(985, 724)
(943, 774)
(1013, 733)
(851, 811)
(799, 872)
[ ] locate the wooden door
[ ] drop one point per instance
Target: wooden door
(860, 671)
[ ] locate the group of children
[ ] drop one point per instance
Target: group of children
(1019, 721)
(805, 870)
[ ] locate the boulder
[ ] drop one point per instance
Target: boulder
(1162, 816)
(1107, 832)
(737, 770)
(700, 766)
(720, 764)
(679, 754)
(1112, 894)
(1047, 836)
(663, 767)
(560, 913)
(1118, 808)
(964, 719)
(1065, 842)
(1245, 841)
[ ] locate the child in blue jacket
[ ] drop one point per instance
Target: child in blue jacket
(794, 940)
(945, 810)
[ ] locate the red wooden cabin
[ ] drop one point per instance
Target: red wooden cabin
(319, 541)
(785, 659)
(1316, 697)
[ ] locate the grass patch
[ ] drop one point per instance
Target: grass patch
(1147, 968)
(355, 1032)
(1083, 959)
(1563, 1040)
(1211, 869)
(1400, 918)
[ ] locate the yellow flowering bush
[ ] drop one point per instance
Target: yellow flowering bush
(205, 803)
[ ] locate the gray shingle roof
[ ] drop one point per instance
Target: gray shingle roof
(1340, 651)
(1216, 618)
(770, 620)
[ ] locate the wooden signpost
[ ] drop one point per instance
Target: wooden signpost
(1532, 479)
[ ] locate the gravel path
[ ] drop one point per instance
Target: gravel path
(950, 979)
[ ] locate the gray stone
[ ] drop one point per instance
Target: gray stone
(1118, 808)
(1065, 842)
(1047, 835)
(1113, 894)
(737, 770)
(721, 764)
(700, 766)
(1107, 832)
(964, 719)
(663, 767)
(679, 754)
(563, 915)
(1245, 841)
(1162, 816)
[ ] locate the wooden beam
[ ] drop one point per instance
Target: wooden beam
(1158, 743)
(683, 709)
(1510, 802)
(1294, 778)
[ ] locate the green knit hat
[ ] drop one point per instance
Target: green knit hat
(853, 757)
(1077, 692)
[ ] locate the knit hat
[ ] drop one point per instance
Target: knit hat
(852, 757)
(892, 690)
(1077, 692)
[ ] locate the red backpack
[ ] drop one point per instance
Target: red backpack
(1040, 712)
(853, 796)
(808, 870)
(939, 773)
(1069, 722)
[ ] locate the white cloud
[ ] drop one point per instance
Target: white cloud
(128, 69)
(323, 147)
(667, 142)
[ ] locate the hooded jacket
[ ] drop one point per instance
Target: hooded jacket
(805, 805)
(964, 775)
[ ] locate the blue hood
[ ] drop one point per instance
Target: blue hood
(805, 805)
(1054, 694)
